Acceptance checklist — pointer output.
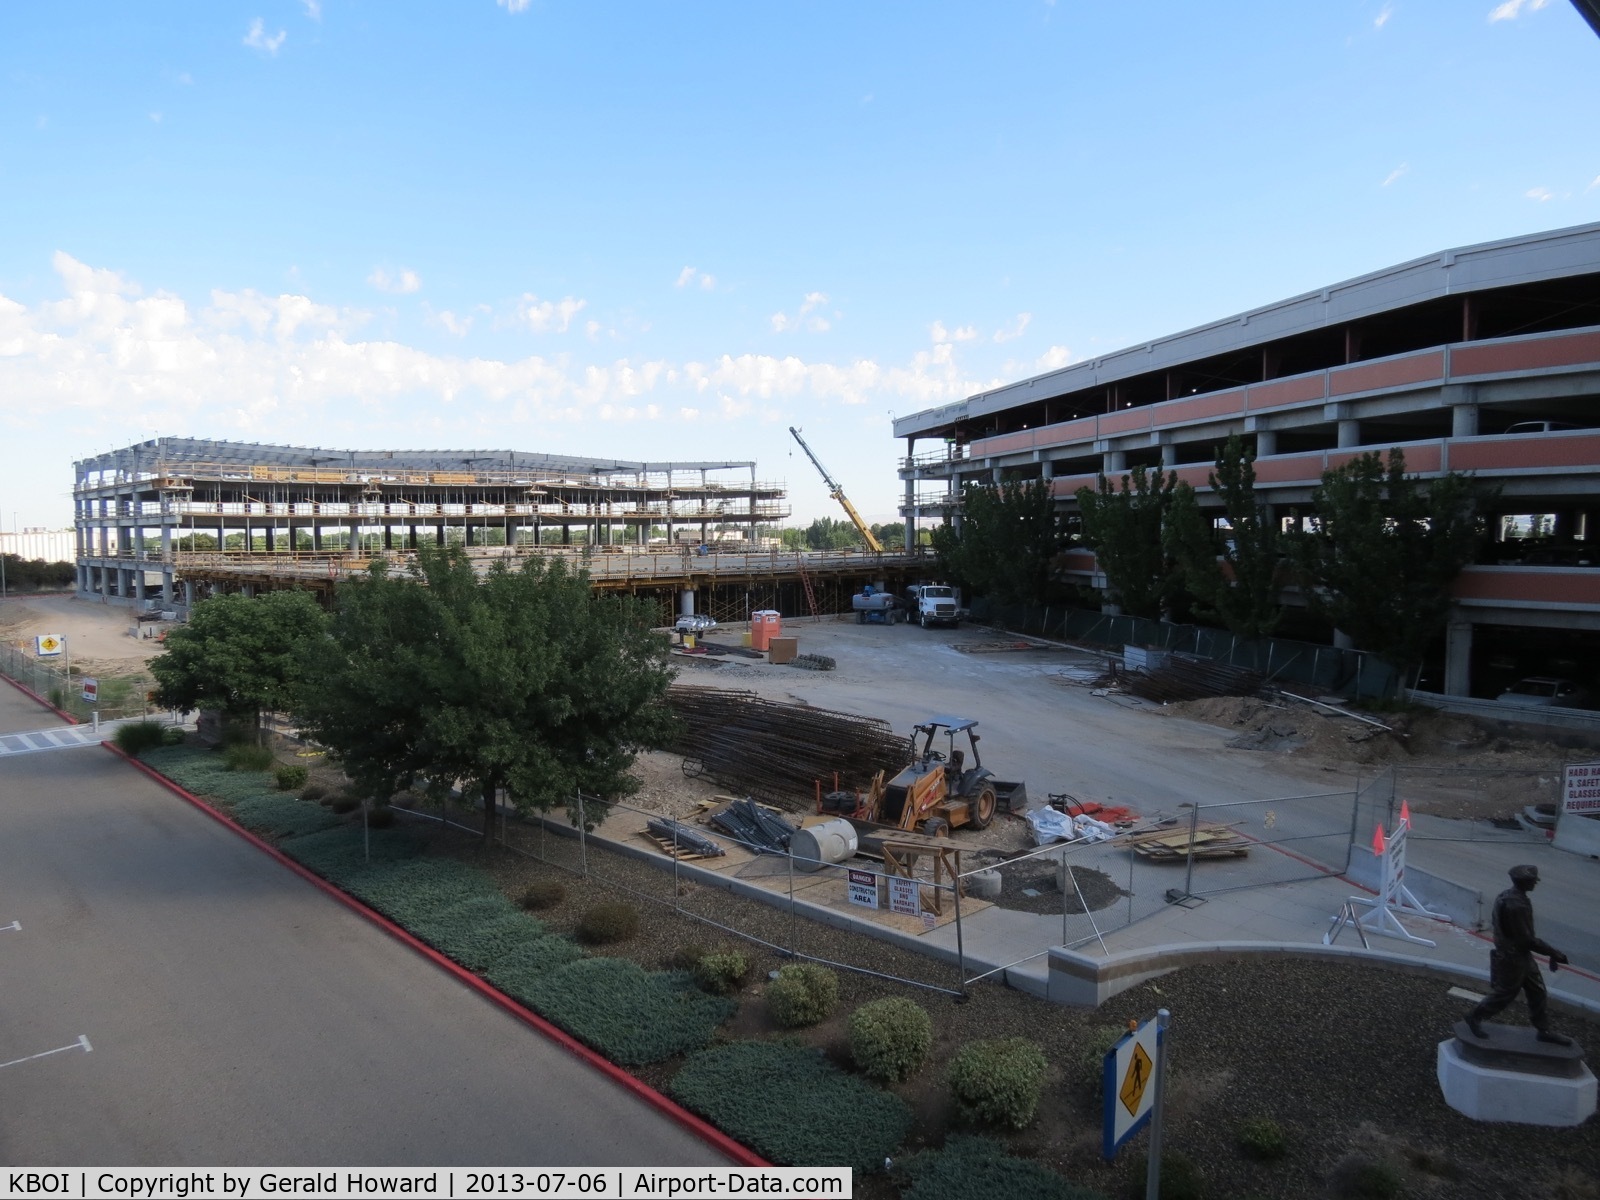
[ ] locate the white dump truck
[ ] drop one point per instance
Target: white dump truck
(934, 604)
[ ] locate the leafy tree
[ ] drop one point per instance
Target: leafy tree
(1123, 526)
(240, 654)
(1385, 550)
(1006, 542)
(1241, 590)
(891, 535)
(521, 679)
(827, 533)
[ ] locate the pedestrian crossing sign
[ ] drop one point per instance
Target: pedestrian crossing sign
(1129, 1075)
(47, 645)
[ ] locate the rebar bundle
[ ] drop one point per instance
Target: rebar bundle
(777, 752)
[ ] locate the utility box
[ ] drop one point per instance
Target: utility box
(783, 649)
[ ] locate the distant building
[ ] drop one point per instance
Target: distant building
(49, 545)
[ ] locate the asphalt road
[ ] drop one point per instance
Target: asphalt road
(235, 1015)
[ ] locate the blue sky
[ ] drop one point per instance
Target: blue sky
(651, 231)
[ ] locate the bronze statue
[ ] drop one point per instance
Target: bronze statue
(1512, 967)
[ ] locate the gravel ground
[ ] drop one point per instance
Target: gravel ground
(1341, 1055)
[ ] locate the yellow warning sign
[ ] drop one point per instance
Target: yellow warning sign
(47, 644)
(1135, 1080)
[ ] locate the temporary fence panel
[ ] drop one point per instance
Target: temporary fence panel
(1259, 843)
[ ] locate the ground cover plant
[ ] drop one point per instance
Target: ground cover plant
(630, 1015)
(967, 1167)
(787, 1102)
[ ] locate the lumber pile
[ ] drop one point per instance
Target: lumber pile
(1172, 845)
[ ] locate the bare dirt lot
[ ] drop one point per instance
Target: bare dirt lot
(97, 634)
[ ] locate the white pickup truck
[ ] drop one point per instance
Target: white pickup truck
(934, 604)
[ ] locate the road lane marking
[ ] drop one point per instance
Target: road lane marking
(81, 1044)
(17, 925)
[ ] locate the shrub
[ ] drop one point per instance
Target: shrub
(314, 792)
(291, 776)
(344, 803)
(607, 922)
(969, 1167)
(818, 1114)
(243, 756)
(1181, 1179)
(543, 893)
(722, 972)
(890, 1038)
(172, 735)
(632, 1016)
(58, 698)
(1096, 1046)
(802, 994)
(686, 957)
(997, 1082)
(1357, 1177)
(138, 737)
(380, 817)
(1262, 1139)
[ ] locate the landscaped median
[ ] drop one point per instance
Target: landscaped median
(782, 1098)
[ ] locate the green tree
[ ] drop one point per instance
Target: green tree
(1123, 526)
(1236, 579)
(520, 680)
(827, 533)
(891, 535)
(239, 654)
(1006, 542)
(1384, 551)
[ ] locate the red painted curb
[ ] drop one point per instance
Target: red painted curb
(702, 1129)
(34, 696)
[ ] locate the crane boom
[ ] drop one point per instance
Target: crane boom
(837, 493)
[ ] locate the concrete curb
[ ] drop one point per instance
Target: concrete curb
(712, 1136)
(1078, 974)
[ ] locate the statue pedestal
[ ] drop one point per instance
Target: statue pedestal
(1512, 1076)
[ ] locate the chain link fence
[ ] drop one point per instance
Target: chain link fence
(1242, 844)
(1461, 804)
(55, 680)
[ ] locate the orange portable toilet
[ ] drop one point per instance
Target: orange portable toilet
(764, 622)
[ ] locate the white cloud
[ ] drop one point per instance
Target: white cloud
(542, 316)
(313, 9)
(402, 284)
(259, 39)
(1395, 174)
(807, 317)
(1512, 9)
(1054, 359)
(1540, 194)
(688, 276)
(1016, 329)
(1593, 185)
(938, 333)
(1382, 19)
(111, 360)
(513, 6)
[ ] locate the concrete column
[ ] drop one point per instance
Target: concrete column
(316, 538)
(388, 537)
(1343, 641)
(1169, 455)
(686, 602)
(1114, 462)
(166, 586)
(1349, 434)
(1266, 443)
(1464, 420)
(1047, 469)
(188, 593)
(1458, 659)
(138, 585)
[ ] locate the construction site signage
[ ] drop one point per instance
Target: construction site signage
(1129, 1077)
(1580, 789)
(905, 896)
(49, 645)
(862, 888)
(91, 690)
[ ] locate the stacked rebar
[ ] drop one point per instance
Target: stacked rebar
(777, 752)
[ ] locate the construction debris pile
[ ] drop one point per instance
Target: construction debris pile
(1181, 677)
(775, 752)
(1210, 840)
(753, 827)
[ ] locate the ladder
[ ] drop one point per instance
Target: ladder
(805, 582)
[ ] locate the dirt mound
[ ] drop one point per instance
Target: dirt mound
(1291, 728)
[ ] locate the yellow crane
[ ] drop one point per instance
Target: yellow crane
(837, 493)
